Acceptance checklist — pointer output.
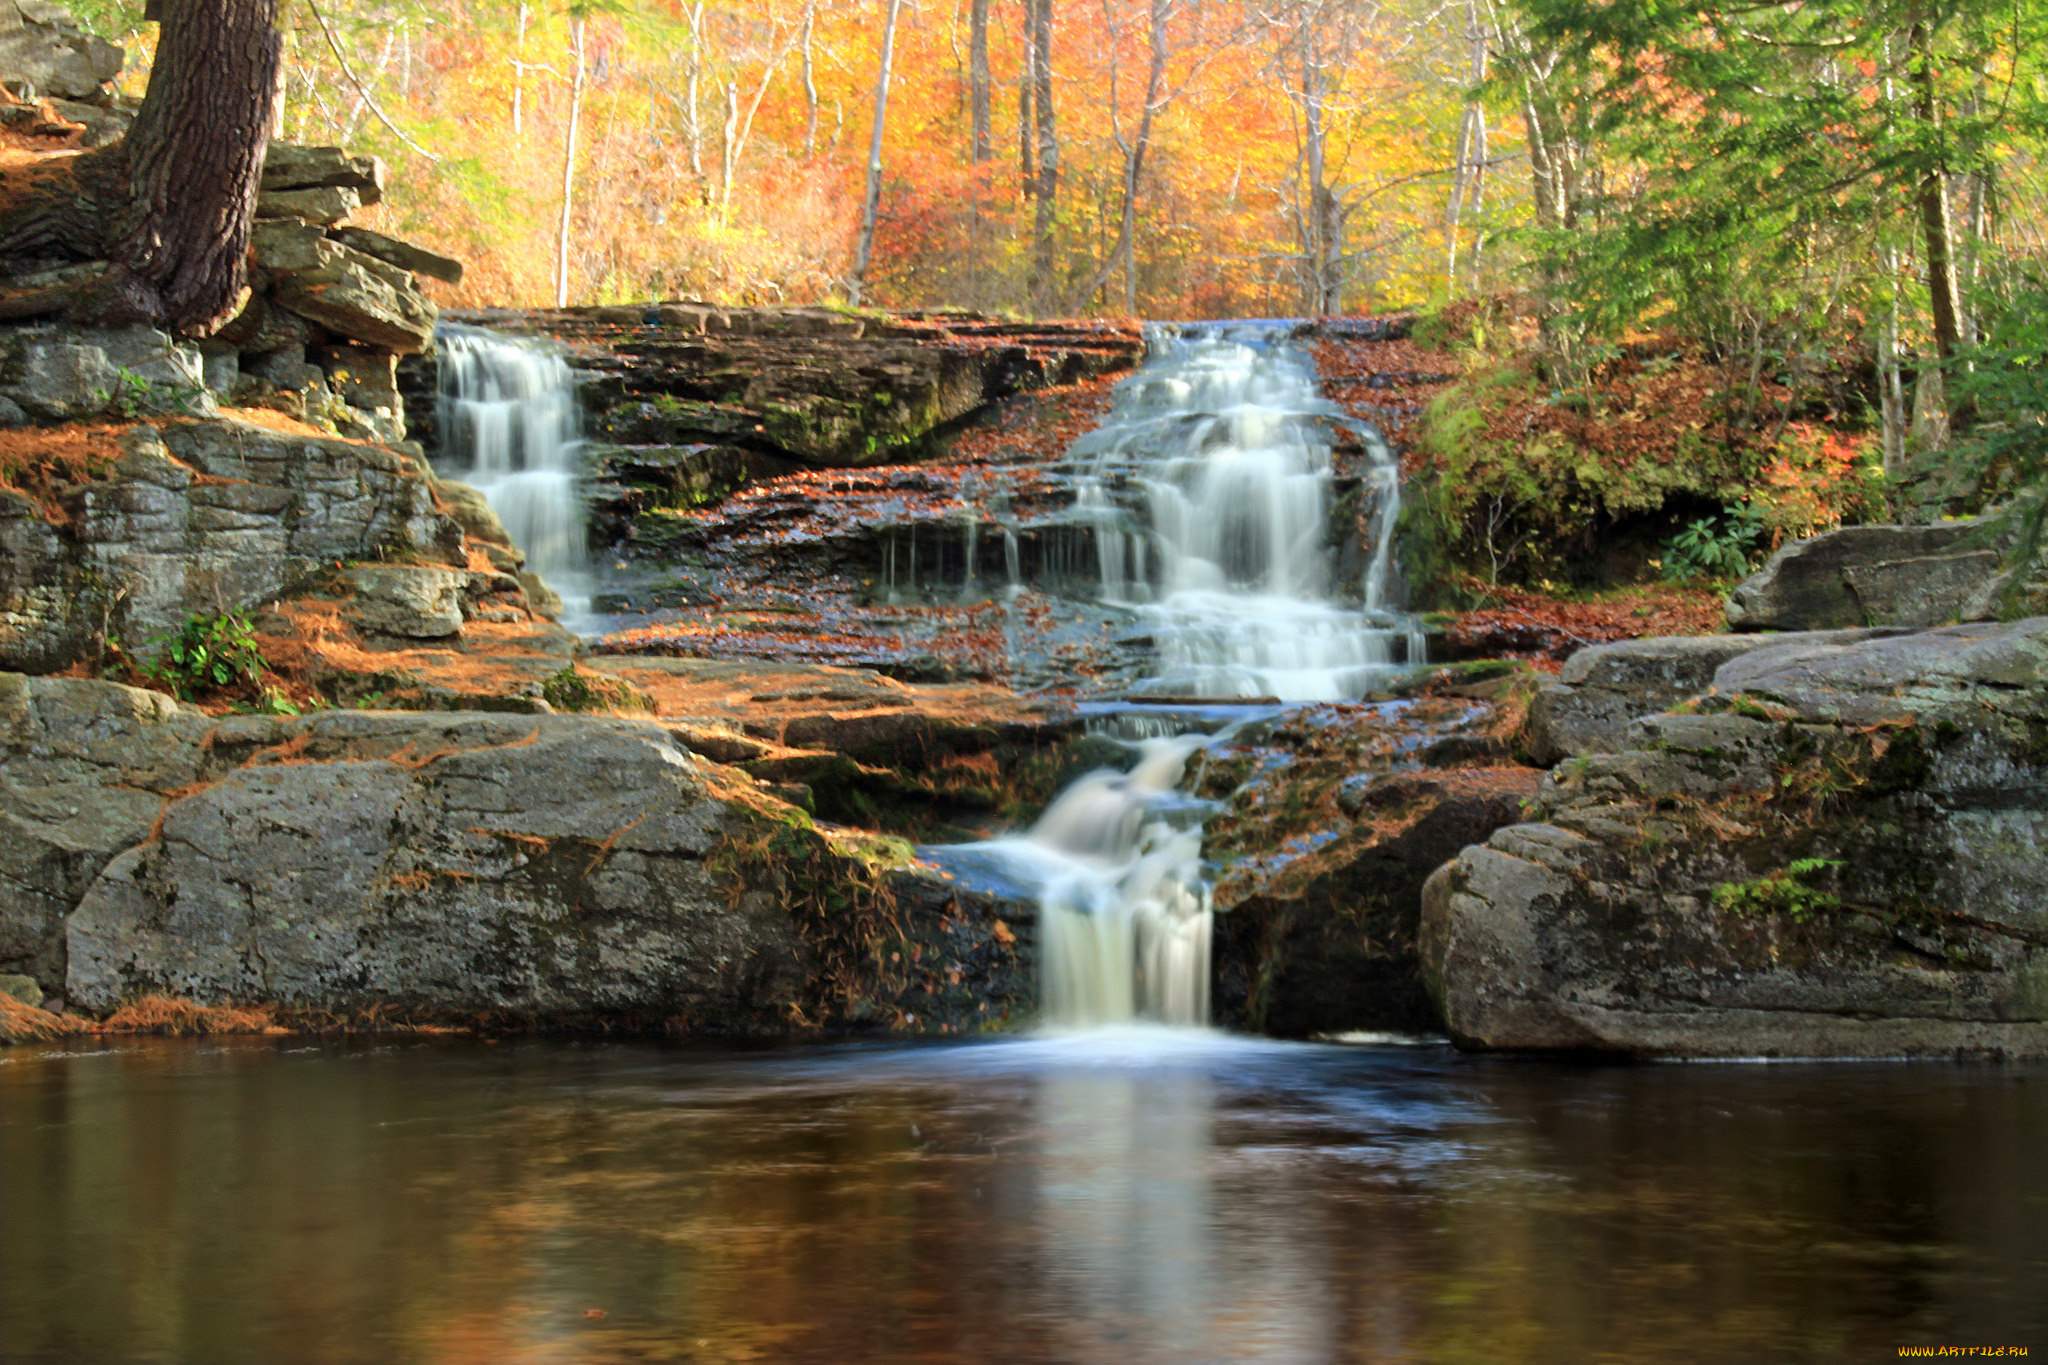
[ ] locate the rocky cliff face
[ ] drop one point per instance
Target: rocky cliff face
(197, 516)
(1835, 850)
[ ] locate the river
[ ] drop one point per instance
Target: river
(1122, 1196)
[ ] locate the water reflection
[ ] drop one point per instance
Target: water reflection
(1135, 1197)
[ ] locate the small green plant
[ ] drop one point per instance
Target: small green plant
(1798, 893)
(209, 653)
(133, 395)
(215, 654)
(1717, 547)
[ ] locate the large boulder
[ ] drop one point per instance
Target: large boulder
(1915, 576)
(1602, 689)
(536, 870)
(1836, 852)
(550, 865)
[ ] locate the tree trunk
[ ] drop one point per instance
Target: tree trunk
(871, 202)
(1125, 253)
(569, 162)
(1027, 167)
(1045, 194)
(519, 80)
(193, 160)
(978, 82)
(810, 79)
(1935, 226)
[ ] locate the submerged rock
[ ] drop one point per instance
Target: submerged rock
(1838, 851)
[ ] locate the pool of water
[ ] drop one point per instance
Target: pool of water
(1124, 1198)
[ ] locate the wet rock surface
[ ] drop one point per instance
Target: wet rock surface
(1332, 818)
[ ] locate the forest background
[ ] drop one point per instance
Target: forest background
(1781, 249)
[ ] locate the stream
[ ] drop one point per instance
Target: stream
(1125, 1197)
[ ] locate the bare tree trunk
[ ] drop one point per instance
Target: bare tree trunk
(1468, 171)
(1045, 196)
(569, 162)
(810, 80)
(693, 77)
(870, 210)
(978, 82)
(1124, 252)
(1027, 80)
(1891, 390)
(519, 80)
(1314, 216)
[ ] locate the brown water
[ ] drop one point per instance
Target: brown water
(1125, 1200)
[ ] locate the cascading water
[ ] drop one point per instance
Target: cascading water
(1209, 491)
(1208, 495)
(509, 406)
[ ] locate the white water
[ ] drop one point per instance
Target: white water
(1207, 493)
(508, 406)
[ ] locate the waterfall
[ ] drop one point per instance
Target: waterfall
(1208, 488)
(1207, 494)
(508, 406)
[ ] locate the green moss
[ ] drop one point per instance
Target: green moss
(574, 690)
(1798, 892)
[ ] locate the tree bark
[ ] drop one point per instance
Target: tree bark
(1935, 225)
(191, 165)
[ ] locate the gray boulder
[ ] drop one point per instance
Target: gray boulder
(1603, 688)
(546, 870)
(413, 602)
(197, 517)
(1913, 576)
(85, 768)
(345, 291)
(1837, 852)
(44, 53)
(290, 166)
(549, 865)
(62, 374)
